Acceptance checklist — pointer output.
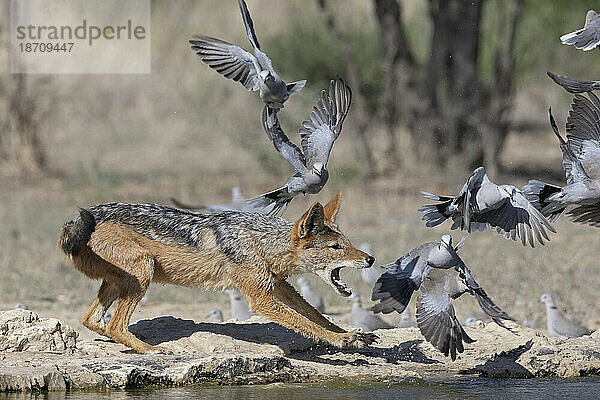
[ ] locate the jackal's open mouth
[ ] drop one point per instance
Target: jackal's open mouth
(338, 284)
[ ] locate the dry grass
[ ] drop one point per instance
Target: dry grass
(185, 132)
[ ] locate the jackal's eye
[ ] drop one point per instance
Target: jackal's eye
(335, 246)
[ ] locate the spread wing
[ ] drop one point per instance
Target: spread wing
(436, 317)
(325, 124)
(467, 283)
(586, 214)
(395, 287)
(463, 200)
(227, 59)
(248, 24)
(583, 133)
(573, 170)
(264, 61)
(584, 39)
(517, 218)
(288, 150)
(574, 85)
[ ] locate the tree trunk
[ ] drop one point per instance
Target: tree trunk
(20, 149)
(364, 120)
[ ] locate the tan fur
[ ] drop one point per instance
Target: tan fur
(128, 261)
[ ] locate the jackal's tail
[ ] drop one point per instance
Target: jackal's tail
(435, 214)
(75, 234)
(272, 203)
(538, 193)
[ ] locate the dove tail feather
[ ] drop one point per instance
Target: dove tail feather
(271, 203)
(435, 214)
(538, 193)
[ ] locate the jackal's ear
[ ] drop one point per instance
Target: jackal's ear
(312, 222)
(331, 209)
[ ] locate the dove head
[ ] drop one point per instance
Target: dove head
(276, 88)
(548, 299)
(443, 255)
(446, 241)
(216, 315)
(590, 17)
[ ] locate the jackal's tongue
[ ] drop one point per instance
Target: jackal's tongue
(337, 282)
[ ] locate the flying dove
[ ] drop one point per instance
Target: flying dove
(557, 324)
(441, 275)
(481, 202)
(581, 163)
(588, 37)
(310, 295)
(317, 137)
(254, 72)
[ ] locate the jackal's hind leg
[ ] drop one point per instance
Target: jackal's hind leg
(93, 319)
(132, 288)
(290, 297)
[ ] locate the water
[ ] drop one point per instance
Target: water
(462, 388)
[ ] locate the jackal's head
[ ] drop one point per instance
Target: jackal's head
(323, 249)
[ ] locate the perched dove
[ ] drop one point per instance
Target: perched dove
(574, 85)
(471, 322)
(237, 204)
(215, 315)
(365, 319)
(239, 307)
(588, 37)
(406, 319)
(441, 275)
(317, 137)
(581, 163)
(481, 202)
(310, 295)
(254, 72)
(557, 324)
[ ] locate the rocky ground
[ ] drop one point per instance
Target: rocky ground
(43, 353)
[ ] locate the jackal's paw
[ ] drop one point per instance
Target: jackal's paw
(368, 338)
(358, 339)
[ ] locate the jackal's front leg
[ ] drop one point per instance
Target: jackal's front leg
(286, 293)
(263, 302)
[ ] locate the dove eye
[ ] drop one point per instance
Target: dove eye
(335, 246)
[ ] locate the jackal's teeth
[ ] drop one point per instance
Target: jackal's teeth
(337, 282)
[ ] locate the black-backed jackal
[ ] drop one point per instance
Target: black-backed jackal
(130, 245)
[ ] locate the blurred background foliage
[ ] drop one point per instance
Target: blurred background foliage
(319, 40)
